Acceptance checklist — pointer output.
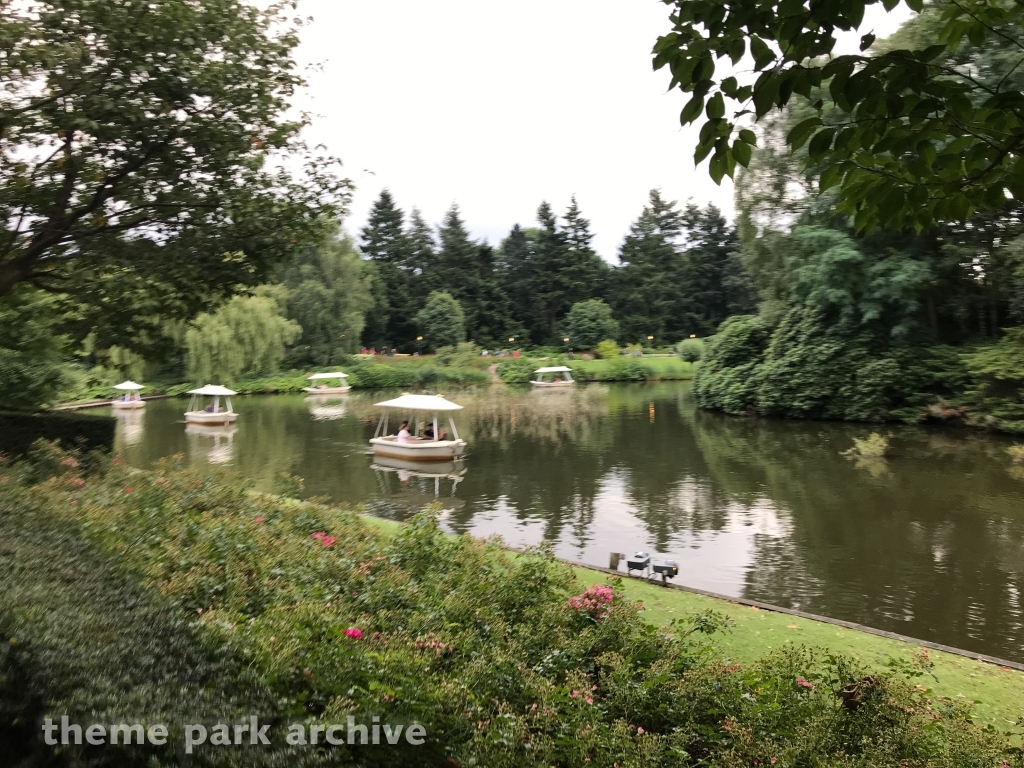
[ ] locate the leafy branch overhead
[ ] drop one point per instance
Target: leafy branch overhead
(909, 135)
(147, 157)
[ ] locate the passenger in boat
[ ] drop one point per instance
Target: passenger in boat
(210, 409)
(429, 433)
(403, 433)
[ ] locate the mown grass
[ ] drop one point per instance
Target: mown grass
(664, 368)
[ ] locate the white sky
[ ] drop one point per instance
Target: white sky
(498, 106)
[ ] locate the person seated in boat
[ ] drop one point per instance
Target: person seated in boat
(403, 433)
(429, 433)
(208, 409)
(321, 386)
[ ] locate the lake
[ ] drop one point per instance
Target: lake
(928, 542)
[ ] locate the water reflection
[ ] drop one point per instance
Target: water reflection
(931, 546)
(215, 440)
(327, 407)
(129, 424)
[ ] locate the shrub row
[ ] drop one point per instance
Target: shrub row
(87, 432)
(505, 660)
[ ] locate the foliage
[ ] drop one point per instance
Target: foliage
(1016, 453)
(874, 446)
(143, 150)
(517, 370)
(85, 431)
(328, 296)
(910, 136)
(246, 336)
(441, 321)
(464, 355)
(268, 605)
(31, 349)
(588, 322)
(999, 373)
(726, 379)
(608, 350)
(691, 350)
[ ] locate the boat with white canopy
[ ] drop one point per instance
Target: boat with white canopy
(553, 376)
(326, 389)
(130, 395)
(432, 445)
(213, 413)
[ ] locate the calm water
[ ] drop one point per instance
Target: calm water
(928, 543)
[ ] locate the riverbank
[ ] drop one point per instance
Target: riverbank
(300, 611)
(406, 372)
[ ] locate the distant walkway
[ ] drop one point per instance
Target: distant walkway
(493, 370)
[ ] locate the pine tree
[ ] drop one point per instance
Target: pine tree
(715, 279)
(552, 285)
(516, 274)
(384, 241)
(586, 271)
(649, 290)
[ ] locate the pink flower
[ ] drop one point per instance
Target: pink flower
(804, 683)
(329, 541)
(128, 489)
(354, 633)
(317, 535)
(575, 694)
(589, 700)
(259, 519)
(640, 731)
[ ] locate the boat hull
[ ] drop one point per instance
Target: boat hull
(127, 405)
(443, 450)
(210, 419)
(327, 390)
(552, 384)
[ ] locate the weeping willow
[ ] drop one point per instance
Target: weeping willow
(247, 336)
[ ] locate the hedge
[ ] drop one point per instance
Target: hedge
(87, 432)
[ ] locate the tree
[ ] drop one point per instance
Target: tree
(245, 336)
(910, 136)
(714, 276)
(649, 291)
(442, 321)
(31, 349)
(585, 271)
(517, 276)
(589, 323)
(384, 241)
(141, 146)
(328, 296)
(422, 254)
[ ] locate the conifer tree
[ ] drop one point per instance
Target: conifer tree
(384, 241)
(552, 286)
(585, 271)
(516, 272)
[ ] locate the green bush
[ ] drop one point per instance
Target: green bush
(88, 432)
(228, 601)
(588, 322)
(691, 350)
(999, 373)
(517, 370)
(608, 350)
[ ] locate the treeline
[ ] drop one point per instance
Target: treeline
(678, 275)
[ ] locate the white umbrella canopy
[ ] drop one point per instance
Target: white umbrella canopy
(213, 389)
(336, 375)
(128, 385)
(554, 369)
(420, 403)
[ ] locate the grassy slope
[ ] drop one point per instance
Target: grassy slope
(998, 691)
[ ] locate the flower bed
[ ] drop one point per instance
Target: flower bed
(503, 660)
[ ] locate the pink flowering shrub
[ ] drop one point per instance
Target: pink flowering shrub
(596, 601)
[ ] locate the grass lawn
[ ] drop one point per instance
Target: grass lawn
(998, 691)
(664, 367)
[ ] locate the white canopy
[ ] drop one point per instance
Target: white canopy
(213, 389)
(554, 369)
(420, 403)
(336, 375)
(128, 385)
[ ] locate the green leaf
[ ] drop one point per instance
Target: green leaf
(741, 151)
(820, 143)
(916, 5)
(692, 109)
(762, 54)
(716, 168)
(831, 176)
(866, 41)
(716, 107)
(797, 137)
(748, 137)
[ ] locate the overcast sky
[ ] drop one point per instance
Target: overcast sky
(497, 106)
